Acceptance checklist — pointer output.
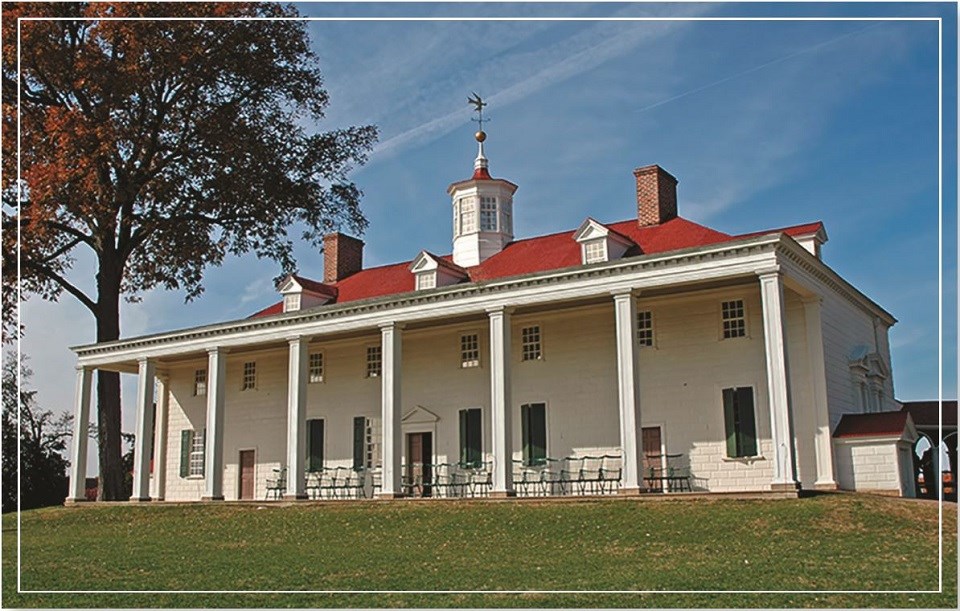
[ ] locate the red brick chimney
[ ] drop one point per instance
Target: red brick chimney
(342, 257)
(656, 195)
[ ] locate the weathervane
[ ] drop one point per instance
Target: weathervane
(477, 102)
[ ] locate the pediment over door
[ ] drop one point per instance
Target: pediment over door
(420, 415)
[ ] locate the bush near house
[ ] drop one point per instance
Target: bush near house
(827, 542)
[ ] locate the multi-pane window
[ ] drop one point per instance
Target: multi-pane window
(594, 251)
(456, 218)
(468, 215)
(249, 376)
(734, 320)
(488, 214)
(374, 361)
(645, 328)
(291, 303)
(196, 452)
(471, 444)
(469, 350)
(200, 383)
(739, 422)
(533, 421)
(316, 367)
(426, 280)
(531, 349)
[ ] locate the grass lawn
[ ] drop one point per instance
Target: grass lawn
(826, 542)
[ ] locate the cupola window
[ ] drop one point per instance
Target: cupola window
(468, 215)
(488, 214)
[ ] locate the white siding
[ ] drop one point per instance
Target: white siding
(870, 464)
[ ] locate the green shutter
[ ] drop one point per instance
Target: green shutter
(359, 439)
(203, 466)
(186, 440)
(464, 450)
(474, 437)
(525, 432)
(538, 433)
(745, 417)
(729, 420)
(314, 445)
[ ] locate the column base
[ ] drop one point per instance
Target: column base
(211, 498)
(630, 491)
(389, 496)
(826, 486)
(295, 497)
(502, 494)
(785, 487)
(140, 499)
(73, 501)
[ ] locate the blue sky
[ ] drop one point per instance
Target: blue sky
(765, 124)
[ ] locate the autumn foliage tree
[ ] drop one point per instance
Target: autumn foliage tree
(161, 147)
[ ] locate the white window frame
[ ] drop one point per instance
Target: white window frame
(315, 366)
(291, 302)
(742, 317)
(594, 251)
(374, 361)
(197, 453)
(469, 360)
(646, 335)
(468, 215)
(426, 280)
(248, 379)
(488, 211)
(200, 383)
(524, 343)
(506, 216)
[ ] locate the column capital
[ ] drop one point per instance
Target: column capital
(769, 273)
(621, 294)
(217, 350)
(295, 338)
(499, 309)
(145, 359)
(393, 325)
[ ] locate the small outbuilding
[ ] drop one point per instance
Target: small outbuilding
(874, 452)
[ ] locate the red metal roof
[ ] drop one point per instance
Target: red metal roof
(880, 424)
(539, 254)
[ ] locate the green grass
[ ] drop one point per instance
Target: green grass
(827, 542)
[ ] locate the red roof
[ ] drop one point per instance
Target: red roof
(880, 424)
(543, 253)
(924, 413)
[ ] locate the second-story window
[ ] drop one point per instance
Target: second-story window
(734, 319)
(249, 376)
(374, 361)
(469, 350)
(531, 349)
(645, 328)
(200, 383)
(316, 367)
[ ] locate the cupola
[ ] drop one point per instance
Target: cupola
(482, 209)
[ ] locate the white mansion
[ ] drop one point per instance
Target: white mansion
(648, 355)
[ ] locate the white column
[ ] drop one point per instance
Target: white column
(823, 443)
(778, 387)
(213, 461)
(296, 418)
(391, 344)
(625, 309)
(143, 434)
(159, 480)
(501, 414)
(81, 420)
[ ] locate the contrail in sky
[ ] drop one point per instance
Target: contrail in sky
(756, 68)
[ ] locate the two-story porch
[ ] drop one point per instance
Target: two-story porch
(597, 379)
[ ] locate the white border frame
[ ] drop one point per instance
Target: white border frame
(937, 20)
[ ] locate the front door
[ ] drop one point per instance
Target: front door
(419, 457)
(247, 464)
(652, 459)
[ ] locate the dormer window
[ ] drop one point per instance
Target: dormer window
(431, 271)
(299, 293)
(598, 243)
(291, 303)
(594, 251)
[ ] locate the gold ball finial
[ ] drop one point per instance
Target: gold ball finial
(480, 136)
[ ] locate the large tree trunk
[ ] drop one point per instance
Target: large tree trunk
(108, 385)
